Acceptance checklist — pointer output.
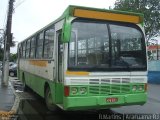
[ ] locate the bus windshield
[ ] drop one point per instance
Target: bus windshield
(106, 46)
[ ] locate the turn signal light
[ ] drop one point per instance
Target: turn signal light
(145, 87)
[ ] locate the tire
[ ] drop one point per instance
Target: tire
(48, 100)
(11, 74)
(24, 86)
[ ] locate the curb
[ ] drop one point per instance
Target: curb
(7, 115)
(16, 101)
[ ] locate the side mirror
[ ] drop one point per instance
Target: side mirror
(66, 31)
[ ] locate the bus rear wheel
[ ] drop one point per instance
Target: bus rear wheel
(48, 100)
(24, 86)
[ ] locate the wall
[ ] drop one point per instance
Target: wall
(154, 71)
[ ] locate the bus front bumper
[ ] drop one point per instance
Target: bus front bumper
(100, 102)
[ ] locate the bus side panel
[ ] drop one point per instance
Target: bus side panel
(37, 84)
(59, 93)
(20, 74)
(34, 82)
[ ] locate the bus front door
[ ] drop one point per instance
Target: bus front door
(60, 58)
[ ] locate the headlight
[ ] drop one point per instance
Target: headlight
(140, 87)
(74, 90)
(134, 88)
(83, 90)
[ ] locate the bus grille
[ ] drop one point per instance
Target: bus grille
(109, 89)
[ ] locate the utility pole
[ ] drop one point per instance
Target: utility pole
(7, 42)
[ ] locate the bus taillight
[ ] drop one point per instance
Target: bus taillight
(66, 91)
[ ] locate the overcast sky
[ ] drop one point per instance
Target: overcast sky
(31, 15)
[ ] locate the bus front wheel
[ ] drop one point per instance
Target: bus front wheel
(48, 100)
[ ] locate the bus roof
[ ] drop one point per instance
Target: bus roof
(96, 13)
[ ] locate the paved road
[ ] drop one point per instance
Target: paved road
(32, 107)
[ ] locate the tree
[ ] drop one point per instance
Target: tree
(13, 57)
(1, 54)
(12, 44)
(150, 9)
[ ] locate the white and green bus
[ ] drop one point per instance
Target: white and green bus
(88, 58)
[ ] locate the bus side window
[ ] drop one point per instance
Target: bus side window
(28, 48)
(39, 45)
(24, 49)
(20, 50)
(49, 43)
(32, 51)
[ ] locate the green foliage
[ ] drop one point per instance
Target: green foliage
(13, 57)
(150, 9)
(12, 44)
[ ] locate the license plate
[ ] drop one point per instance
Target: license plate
(111, 100)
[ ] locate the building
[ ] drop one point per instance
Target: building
(153, 52)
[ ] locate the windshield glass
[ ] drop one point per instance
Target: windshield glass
(99, 46)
